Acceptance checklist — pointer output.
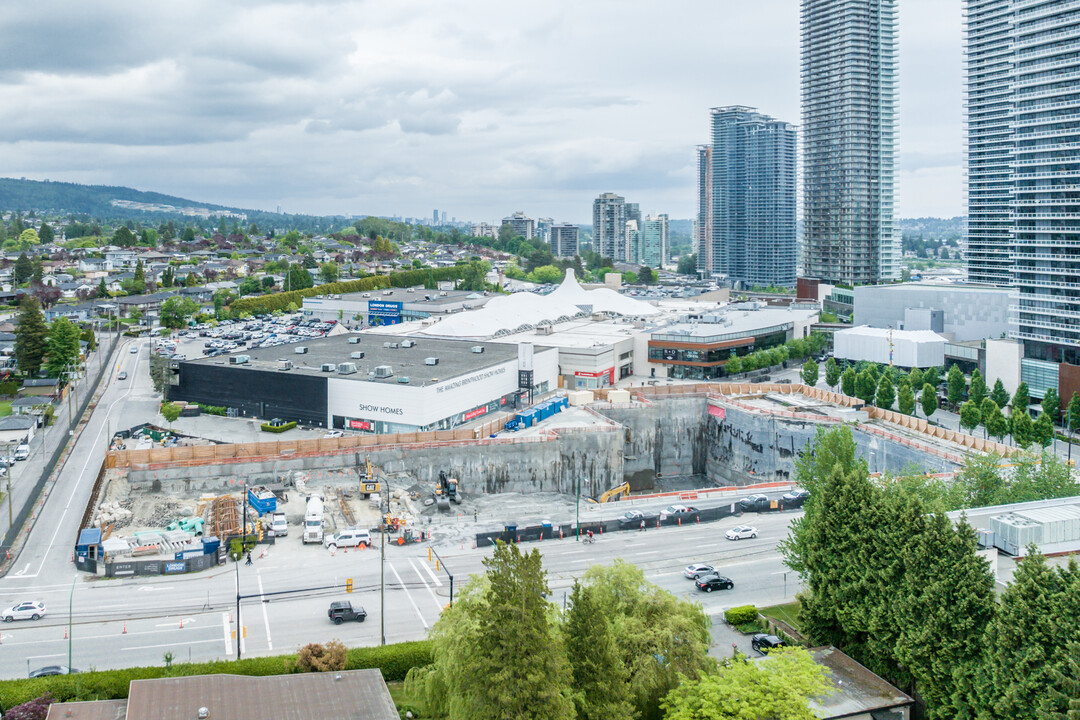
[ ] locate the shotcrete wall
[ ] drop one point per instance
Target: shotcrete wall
(556, 465)
(746, 448)
(665, 437)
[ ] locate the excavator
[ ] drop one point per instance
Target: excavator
(369, 485)
(613, 494)
(446, 492)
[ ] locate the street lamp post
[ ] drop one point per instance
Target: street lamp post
(382, 566)
(71, 601)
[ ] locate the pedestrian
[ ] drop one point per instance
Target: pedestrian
(643, 525)
(248, 558)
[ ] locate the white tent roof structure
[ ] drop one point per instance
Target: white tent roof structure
(509, 314)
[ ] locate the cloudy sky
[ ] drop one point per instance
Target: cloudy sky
(476, 107)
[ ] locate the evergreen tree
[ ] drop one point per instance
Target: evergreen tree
(928, 400)
(297, 278)
(848, 380)
(1021, 399)
(63, 348)
(810, 373)
(832, 373)
(1051, 405)
(37, 273)
(915, 377)
(1065, 691)
(23, 269)
(956, 385)
(31, 336)
(994, 420)
(123, 237)
(1021, 427)
(1043, 430)
(977, 392)
(906, 399)
(1000, 395)
(599, 676)
(866, 387)
(45, 234)
(102, 291)
(1072, 412)
(932, 375)
(191, 280)
(886, 394)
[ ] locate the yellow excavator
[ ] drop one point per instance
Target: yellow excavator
(613, 494)
(369, 485)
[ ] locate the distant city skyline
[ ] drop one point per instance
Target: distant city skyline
(405, 107)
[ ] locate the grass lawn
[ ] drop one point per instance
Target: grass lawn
(5, 407)
(402, 700)
(787, 613)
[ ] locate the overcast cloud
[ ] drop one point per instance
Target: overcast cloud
(476, 107)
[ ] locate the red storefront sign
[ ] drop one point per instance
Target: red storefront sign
(475, 413)
(359, 425)
(610, 373)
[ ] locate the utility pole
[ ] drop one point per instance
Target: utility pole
(71, 601)
(382, 568)
(577, 522)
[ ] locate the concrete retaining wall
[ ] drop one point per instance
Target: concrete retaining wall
(665, 436)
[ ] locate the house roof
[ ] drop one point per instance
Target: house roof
(17, 422)
(89, 710)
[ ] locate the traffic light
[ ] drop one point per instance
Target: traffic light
(348, 585)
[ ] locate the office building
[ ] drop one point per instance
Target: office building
(564, 240)
(654, 241)
(849, 113)
(521, 225)
(609, 225)
(435, 217)
(747, 197)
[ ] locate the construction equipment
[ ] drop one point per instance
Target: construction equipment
(410, 537)
(613, 494)
(369, 485)
(446, 492)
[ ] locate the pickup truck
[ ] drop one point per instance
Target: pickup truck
(342, 610)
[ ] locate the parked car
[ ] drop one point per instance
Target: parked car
(52, 670)
(334, 434)
(741, 532)
(22, 452)
(633, 518)
(25, 611)
(697, 570)
(764, 643)
(754, 503)
(679, 510)
(708, 583)
(349, 537)
(795, 498)
(342, 610)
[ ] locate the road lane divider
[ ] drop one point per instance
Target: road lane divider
(408, 594)
(266, 618)
(431, 592)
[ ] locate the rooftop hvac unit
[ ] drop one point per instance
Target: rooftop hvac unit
(302, 350)
(442, 293)
(358, 355)
(478, 348)
(383, 371)
(354, 341)
(328, 367)
(410, 290)
(239, 359)
(284, 364)
(408, 343)
(404, 380)
(431, 361)
(390, 345)
(545, 330)
(347, 368)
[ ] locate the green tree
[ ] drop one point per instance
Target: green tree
(744, 690)
(932, 375)
(848, 382)
(31, 336)
(600, 680)
(810, 373)
(646, 275)
(928, 400)
(309, 262)
(176, 310)
(329, 272)
(977, 392)
(832, 373)
(45, 234)
(995, 421)
(297, 278)
(123, 237)
(189, 235)
(906, 399)
(1021, 427)
(969, 415)
(1065, 688)
(546, 274)
(28, 238)
(102, 291)
(1000, 395)
(866, 387)
(1021, 399)
(1043, 430)
(1072, 413)
(687, 265)
(37, 272)
(886, 394)
(734, 365)
(915, 377)
(1051, 405)
(249, 286)
(956, 385)
(160, 374)
(23, 269)
(63, 347)
(170, 411)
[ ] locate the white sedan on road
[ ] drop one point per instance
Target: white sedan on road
(741, 532)
(25, 611)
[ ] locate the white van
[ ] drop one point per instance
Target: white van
(22, 452)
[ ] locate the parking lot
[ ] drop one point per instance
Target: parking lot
(231, 335)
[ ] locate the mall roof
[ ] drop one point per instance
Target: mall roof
(737, 320)
(916, 336)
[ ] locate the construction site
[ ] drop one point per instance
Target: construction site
(171, 503)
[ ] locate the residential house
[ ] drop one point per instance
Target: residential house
(42, 387)
(17, 429)
(94, 265)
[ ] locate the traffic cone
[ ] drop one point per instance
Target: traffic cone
(181, 623)
(65, 633)
(124, 631)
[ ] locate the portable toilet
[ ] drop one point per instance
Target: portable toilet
(89, 545)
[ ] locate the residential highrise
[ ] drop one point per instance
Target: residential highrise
(631, 243)
(1023, 171)
(609, 226)
(654, 241)
(849, 114)
(543, 229)
(747, 199)
(435, 217)
(521, 225)
(564, 240)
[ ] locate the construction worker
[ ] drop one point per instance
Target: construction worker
(642, 524)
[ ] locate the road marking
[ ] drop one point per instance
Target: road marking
(183, 620)
(23, 571)
(225, 633)
(434, 579)
(408, 595)
(435, 599)
(182, 642)
(648, 552)
(575, 552)
(266, 618)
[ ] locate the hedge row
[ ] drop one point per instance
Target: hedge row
(407, 278)
(394, 661)
(741, 614)
(267, 427)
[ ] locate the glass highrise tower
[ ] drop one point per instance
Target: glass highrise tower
(849, 115)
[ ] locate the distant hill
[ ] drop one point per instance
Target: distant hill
(100, 202)
(931, 227)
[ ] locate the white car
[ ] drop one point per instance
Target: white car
(741, 532)
(25, 611)
(334, 434)
(134, 349)
(693, 572)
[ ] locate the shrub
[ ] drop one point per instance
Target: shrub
(36, 709)
(741, 615)
(267, 427)
(316, 657)
(212, 409)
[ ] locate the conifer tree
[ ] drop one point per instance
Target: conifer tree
(31, 336)
(1021, 399)
(977, 392)
(928, 400)
(832, 373)
(886, 394)
(905, 398)
(1021, 427)
(1000, 395)
(599, 676)
(848, 382)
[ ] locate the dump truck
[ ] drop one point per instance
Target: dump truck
(313, 520)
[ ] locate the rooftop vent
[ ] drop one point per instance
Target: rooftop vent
(302, 350)
(203, 713)
(478, 348)
(408, 343)
(347, 368)
(383, 371)
(358, 355)
(284, 364)
(239, 359)
(390, 345)
(354, 341)
(403, 380)
(431, 361)
(328, 367)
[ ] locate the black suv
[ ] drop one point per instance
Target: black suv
(709, 583)
(753, 503)
(764, 643)
(343, 610)
(795, 498)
